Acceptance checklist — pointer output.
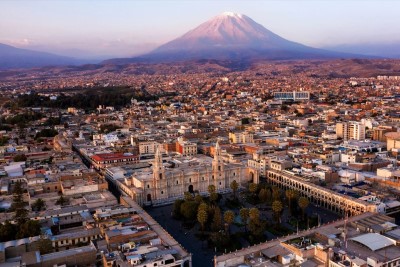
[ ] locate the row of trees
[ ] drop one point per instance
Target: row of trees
(88, 99)
(275, 198)
(22, 227)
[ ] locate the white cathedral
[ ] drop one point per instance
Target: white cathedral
(160, 184)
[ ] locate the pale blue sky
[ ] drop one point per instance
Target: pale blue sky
(122, 27)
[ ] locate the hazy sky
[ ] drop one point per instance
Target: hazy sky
(122, 27)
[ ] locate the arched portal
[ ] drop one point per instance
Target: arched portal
(191, 189)
(252, 177)
(148, 197)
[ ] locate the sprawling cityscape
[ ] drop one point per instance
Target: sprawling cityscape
(228, 146)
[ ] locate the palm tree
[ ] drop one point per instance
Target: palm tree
(202, 217)
(303, 204)
(276, 193)
(202, 206)
(253, 188)
(217, 221)
(188, 196)
(229, 216)
(277, 207)
(244, 215)
(263, 195)
(211, 189)
(234, 186)
(290, 195)
(213, 193)
(254, 214)
(198, 198)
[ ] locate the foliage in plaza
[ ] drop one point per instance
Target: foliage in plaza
(229, 217)
(46, 133)
(108, 128)
(290, 196)
(23, 118)
(303, 204)
(189, 210)
(38, 205)
(62, 201)
(276, 193)
(4, 140)
(244, 216)
(23, 226)
(88, 99)
(234, 186)
(277, 208)
(202, 215)
(217, 220)
(19, 158)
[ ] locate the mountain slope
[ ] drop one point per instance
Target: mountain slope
(231, 36)
(12, 57)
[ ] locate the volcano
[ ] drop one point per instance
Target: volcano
(232, 36)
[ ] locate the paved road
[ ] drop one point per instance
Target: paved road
(202, 256)
(163, 234)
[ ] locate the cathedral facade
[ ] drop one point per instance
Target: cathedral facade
(160, 184)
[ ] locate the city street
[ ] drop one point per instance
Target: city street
(202, 256)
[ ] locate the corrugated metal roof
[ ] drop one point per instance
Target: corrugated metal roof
(374, 241)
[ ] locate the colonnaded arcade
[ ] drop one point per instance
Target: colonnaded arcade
(319, 195)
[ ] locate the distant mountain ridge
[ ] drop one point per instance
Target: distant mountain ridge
(12, 58)
(231, 36)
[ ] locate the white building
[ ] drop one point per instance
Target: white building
(350, 130)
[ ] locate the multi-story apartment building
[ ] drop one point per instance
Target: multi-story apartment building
(294, 95)
(350, 130)
(186, 148)
(241, 137)
(148, 147)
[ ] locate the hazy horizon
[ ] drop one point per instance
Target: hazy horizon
(104, 29)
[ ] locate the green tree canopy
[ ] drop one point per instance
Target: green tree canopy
(277, 208)
(217, 219)
(229, 217)
(303, 204)
(202, 217)
(234, 186)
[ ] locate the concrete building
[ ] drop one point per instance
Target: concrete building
(350, 130)
(393, 141)
(148, 147)
(294, 95)
(186, 148)
(241, 137)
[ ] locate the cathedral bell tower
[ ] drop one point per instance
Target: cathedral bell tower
(159, 180)
(218, 173)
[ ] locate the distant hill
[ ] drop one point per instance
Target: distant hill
(13, 58)
(231, 36)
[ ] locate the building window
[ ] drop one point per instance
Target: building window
(148, 186)
(220, 183)
(177, 182)
(162, 192)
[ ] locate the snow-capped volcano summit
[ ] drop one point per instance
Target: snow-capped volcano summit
(227, 30)
(232, 36)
